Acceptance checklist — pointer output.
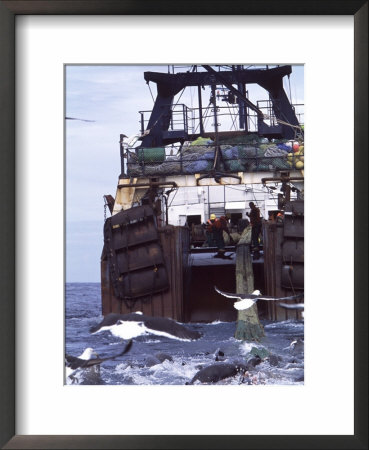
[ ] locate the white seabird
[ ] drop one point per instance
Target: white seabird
(128, 326)
(294, 306)
(245, 301)
(86, 360)
(299, 306)
(74, 363)
(75, 118)
(129, 141)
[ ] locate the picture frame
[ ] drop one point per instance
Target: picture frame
(8, 11)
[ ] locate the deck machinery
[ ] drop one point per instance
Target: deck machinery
(138, 267)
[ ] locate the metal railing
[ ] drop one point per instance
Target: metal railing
(181, 118)
(188, 119)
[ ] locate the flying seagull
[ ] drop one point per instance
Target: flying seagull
(294, 306)
(245, 301)
(129, 141)
(131, 325)
(298, 306)
(75, 118)
(73, 363)
(86, 360)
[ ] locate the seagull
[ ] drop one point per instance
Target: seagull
(82, 120)
(86, 360)
(296, 346)
(129, 141)
(299, 306)
(73, 363)
(245, 301)
(294, 306)
(128, 326)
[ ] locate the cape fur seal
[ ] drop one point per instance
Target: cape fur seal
(220, 371)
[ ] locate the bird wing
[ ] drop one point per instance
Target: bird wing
(292, 305)
(93, 362)
(108, 320)
(73, 362)
(238, 296)
(171, 327)
(268, 297)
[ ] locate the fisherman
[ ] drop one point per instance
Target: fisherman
(214, 233)
(225, 227)
(280, 217)
(255, 221)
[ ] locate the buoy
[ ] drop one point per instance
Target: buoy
(295, 146)
(299, 165)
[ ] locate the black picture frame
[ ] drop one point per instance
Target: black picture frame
(8, 11)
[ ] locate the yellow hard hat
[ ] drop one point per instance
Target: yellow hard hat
(212, 216)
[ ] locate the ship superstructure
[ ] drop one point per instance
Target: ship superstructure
(149, 263)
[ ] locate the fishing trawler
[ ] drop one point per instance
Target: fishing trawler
(155, 257)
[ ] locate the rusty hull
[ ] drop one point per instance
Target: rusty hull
(283, 263)
(175, 245)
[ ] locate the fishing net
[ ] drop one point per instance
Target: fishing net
(251, 154)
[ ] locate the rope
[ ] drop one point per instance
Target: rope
(179, 98)
(284, 123)
(233, 116)
(153, 100)
(173, 198)
(298, 127)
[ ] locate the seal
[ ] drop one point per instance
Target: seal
(158, 358)
(219, 355)
(218, 371)
(128, 326)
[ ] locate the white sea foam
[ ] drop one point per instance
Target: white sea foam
(246, 347)
(288, 323)
(216, 322)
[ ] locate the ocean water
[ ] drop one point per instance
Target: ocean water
(284, 365)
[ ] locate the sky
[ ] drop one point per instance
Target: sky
(111, 96)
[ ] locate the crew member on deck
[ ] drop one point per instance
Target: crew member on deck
(214, 233)
(225, 227)
(255, 221)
